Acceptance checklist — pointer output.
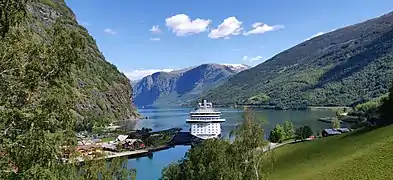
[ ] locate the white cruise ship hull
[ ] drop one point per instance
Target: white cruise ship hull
(207, 136)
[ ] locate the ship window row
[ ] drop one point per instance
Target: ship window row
(212, 113)
(207, 131)
(201, 129)
(210, 128)
(204, 118)
(203, 125)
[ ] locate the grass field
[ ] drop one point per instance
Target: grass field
(107, 139)
(363, 154)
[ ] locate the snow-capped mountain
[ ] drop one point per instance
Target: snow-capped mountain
(237, 67)
(179, 86)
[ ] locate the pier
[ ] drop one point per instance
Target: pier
(142, 152)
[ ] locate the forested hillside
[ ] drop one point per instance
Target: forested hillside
(99, 88)
(345, 67)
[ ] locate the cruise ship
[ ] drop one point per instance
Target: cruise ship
(205, 121)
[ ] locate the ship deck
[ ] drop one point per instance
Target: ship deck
(205, 121)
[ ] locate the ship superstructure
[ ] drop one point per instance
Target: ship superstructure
(205, 121)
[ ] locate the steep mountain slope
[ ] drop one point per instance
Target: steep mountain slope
(343, 67)
(100, 88)
(177, 87)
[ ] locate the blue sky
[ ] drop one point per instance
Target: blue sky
(144, 36)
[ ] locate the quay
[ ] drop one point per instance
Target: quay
(128, 153)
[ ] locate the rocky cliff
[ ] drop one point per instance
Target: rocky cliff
(100, 88)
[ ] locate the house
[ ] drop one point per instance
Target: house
(134, 144)
(109, 147)
(88, 149)
(330, 132)
(85, 142)
(343, 130)
(121, 138)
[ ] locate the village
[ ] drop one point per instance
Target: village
(136, 143)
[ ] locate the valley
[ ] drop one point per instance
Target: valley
(321, 109)
(181, 86)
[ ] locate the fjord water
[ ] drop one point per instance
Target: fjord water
(160, 119)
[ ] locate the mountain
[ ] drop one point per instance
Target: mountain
(100, 89)
(134, 82)
(343, 67)
(180, 86)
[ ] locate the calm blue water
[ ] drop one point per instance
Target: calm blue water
(159, 119)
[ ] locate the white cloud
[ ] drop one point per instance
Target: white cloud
(155, 29)
(182, 25)
(252, 59)
(260, 28)
(315, 35)
(236, 49)
(155, 39)
(110, 31)
(257, 58)
(230, 26)
(140, 73)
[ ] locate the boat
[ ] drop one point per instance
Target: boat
(205, 121)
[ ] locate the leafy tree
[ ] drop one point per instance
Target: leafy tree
(336, 123)
(339, 112)
(289, 130)
(299, 133)
(249, 137)
(172, 172)
(11, 13)
(37, 123)
(219, 159)
(303, 133)
(386, 110)
(277, 135)
(282, 132)
(307, 131)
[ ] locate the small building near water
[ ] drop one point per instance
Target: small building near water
(330, 132)
(121, 138)
(133, 144)
(333, 132)
(128, 143)
(343, 130)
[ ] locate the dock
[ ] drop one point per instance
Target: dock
(128, 153)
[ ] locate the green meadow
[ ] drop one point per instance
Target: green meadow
(362, 154)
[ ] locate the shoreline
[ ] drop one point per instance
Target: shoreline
(333, 108)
